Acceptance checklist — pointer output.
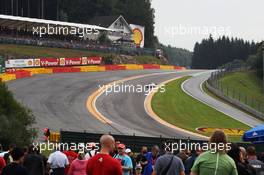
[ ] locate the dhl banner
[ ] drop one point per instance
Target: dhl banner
(227, 131)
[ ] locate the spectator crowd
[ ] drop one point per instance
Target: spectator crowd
(114, 158)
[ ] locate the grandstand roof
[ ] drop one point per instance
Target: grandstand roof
(27, 23)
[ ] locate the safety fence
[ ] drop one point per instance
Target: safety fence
(234, 96)
(135, 142)
(13, 74)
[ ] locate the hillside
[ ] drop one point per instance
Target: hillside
(22, 51)
(242, 84)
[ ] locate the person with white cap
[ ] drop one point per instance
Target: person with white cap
(130, 154)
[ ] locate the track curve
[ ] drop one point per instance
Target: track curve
(59, 102)
(194, 89)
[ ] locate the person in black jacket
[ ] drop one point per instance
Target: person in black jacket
(16, 168)
(242, 167)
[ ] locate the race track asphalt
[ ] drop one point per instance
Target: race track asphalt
(193, 88)
(59, 102)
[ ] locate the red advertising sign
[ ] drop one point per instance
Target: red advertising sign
(49, 62)
(53, 62)
(94, 60)
(70, 61)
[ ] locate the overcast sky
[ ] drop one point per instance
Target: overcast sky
(181, 23)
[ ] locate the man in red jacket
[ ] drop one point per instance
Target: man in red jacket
(103, 163)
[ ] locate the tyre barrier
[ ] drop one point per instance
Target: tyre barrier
(35, 71)
(66, 69)
(92, 68)
(115, 67)
(7, 77)
(151, 66)
(165, 67)
(13, 74)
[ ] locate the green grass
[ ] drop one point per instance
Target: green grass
(242, 84)
(179, 109)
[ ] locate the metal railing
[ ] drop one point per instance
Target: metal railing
(233, 93)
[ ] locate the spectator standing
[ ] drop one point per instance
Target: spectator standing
(151, 160)
(33, 162)
(253, 160)
(16, 168)
(124, 159)
(190, 161)
(91, 152)
(78, 166)
(168, 164)
(215, 161)
(7, 156)
(2, 164)
(242, 168)
(141, 159)
(103, 163)
(57, 162)
(130, 154)
(71, 156)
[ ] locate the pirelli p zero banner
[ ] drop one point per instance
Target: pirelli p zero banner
(53, 62)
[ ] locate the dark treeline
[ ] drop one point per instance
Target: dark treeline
(256, 61)
(135, 11)
(178, 56)
(210, 53)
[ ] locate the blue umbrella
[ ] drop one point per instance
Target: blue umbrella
(255, 135)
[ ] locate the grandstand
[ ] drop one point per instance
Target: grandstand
(23, 31)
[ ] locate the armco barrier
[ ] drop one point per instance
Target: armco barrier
(114, 67)
(66, 70)
(151, 66)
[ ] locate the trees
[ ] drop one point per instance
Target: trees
(210, 53)
(15, 120)
(177, 56)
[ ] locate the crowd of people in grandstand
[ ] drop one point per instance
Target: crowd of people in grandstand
(114, 158)
(22, 37)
